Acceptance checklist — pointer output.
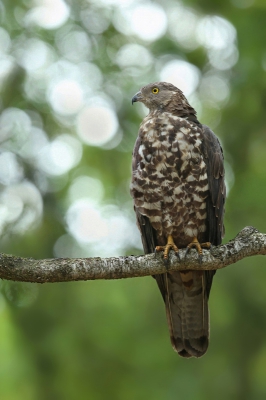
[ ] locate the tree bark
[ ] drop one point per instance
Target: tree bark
(248, 242)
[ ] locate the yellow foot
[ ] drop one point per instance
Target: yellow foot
(198, 246)
(170, 245)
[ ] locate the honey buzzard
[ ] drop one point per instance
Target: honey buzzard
(179, 192)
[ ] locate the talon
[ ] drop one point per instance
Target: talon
(198, 246)
(159, 248)
(166, 262)
(169, 246)
(206, 245)
(187, 251)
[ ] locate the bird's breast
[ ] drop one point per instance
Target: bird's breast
(170, 142)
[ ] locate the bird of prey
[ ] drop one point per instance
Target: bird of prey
(178, 190)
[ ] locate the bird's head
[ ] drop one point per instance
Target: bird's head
(162, 96)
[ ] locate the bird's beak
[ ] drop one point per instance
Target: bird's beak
(137, 97)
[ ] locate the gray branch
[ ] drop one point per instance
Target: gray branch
(248, 242)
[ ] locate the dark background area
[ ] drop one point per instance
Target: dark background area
(68, 71)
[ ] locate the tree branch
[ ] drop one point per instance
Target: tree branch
(248, 242)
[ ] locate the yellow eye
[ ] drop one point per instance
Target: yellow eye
(155, 90)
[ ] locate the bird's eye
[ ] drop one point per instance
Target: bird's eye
(155, 90)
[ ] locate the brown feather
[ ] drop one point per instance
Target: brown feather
(178, 190)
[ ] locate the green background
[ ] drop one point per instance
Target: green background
(109, 340)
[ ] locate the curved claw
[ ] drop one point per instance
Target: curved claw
(169, 246)
(198, 246)
(166, 262)
(187, 251)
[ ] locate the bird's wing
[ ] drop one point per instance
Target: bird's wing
(214, 160)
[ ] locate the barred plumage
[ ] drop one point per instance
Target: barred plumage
(178, 191)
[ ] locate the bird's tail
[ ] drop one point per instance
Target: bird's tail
(186, 302)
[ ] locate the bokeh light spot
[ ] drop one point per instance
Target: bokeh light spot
(66, 97)
(59, 156)
(94, 22)
(182, 74)
(224, 59)
(214, 88)
(149, 21)
(6, 66)
(33, 54)
(215, 32)
(107, 228)
(73, 45)
(31, 149)
(15, 124)
(130, 54)
(10, 170)
(20, 204)
(86, 187)
(184, 30)
(85, 222)
(96, 125)
(48, 14)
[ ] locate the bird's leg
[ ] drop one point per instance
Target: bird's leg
(169, 245)
(198, 246)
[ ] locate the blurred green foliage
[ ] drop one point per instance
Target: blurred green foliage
(109, 340)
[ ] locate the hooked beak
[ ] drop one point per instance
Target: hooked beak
(137, 97)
